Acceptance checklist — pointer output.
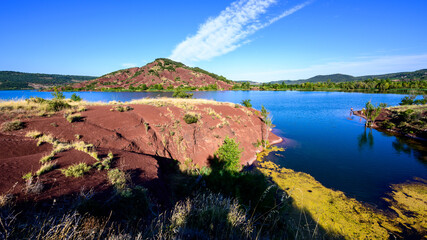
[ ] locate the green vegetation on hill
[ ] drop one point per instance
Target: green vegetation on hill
(169, 62)
(10, 80)
(370, 85)
(404, 76)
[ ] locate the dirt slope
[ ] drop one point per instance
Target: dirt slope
(138, 138)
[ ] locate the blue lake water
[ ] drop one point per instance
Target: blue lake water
(322, 139)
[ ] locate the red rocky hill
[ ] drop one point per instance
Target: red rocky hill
(161, 74)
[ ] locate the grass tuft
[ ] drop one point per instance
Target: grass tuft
(47, 167)
(76, 170)
(12, 126)
(118, 179)
(34, 134)
(74, 118)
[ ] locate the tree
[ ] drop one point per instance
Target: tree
(229, 155)
(57, 94)
(246, 103)
(268, 123)
(371, 112)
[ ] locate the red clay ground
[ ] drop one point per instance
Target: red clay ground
(138, 138)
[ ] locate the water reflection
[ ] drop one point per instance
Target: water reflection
(408, 146)
(366, 138)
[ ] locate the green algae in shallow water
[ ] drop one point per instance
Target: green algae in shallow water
(409, 201)
(343, 216)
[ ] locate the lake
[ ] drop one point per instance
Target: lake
(321, 137)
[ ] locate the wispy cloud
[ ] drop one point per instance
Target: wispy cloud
(358, 67)
(128, 65)
(228, 31)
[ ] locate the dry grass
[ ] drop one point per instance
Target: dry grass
(33, 186)
(33, 134)
(186, 104)
(47, 158)
(212, 216)
(406, 107)
(12, 126)
(47, 167)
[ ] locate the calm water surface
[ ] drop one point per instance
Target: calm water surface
(321, 138)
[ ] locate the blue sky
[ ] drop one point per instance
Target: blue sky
(259, 40)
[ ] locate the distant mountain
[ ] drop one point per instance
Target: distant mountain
(161, 74)
(404, 76)
(10, 80)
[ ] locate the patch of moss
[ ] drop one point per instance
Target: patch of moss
(332, 210)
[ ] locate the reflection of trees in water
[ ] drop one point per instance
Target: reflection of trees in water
(409, 146)
(366, 138)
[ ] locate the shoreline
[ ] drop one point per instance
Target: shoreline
(385, 116)
(347, 216)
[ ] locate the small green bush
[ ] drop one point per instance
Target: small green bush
(229, 155)
(117, 178)
(57, 94)
(190, 118)
(181, 94)
(75, 98)
(76, 170)
(387, 124)
(56, 105)
(12, 126)
(247, 103)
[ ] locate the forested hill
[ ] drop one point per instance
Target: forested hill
(10, 80)
(405, 76)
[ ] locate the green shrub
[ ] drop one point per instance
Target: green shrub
(56, 105)
(181, 94)
(76, 170)
(118, 179)
(190, 118)
(388, 125)
(123, 108)
(247, 103)
(36, 100)
(74, 118)
(75, 98)
(57, 95)
(371, 112)
(229, 155)
(12, 125)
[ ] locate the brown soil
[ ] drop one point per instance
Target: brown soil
(139, 139)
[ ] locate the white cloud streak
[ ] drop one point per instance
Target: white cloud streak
(228, 31)
(362, 66)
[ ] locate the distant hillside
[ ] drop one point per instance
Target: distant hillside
(161, 74)
(10, 80)
(404, 76)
